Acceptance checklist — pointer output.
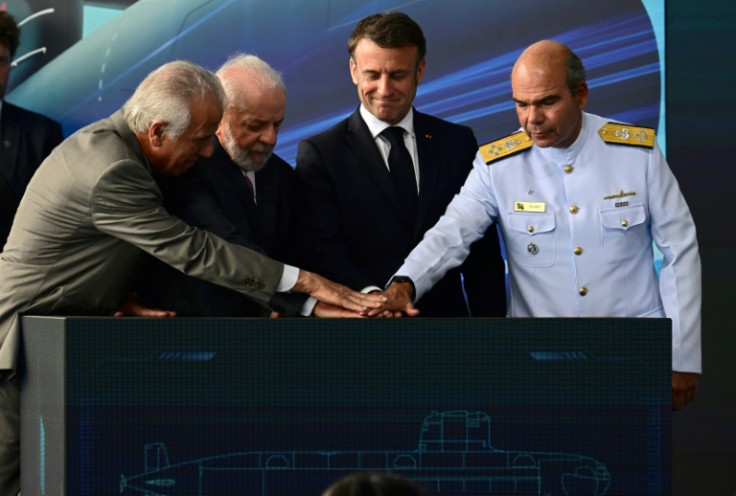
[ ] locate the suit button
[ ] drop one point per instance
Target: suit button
(568, 169)
(578, 251)
(574, 209)
(583, 291)
(530, 229)
(624, 223)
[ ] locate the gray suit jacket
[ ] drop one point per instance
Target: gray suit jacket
(87, 216)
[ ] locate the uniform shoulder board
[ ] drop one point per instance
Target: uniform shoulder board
(504, 147)
(623, 134)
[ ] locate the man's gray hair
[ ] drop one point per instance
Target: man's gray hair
(168, 93)
(258, 69)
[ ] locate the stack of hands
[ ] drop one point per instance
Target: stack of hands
(333, 301)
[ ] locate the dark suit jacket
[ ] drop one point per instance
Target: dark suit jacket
(26, 139)
(351, 229)
(214, 196)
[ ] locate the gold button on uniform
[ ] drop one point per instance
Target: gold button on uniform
(583, 291)
(624, 222)
(578, 251)
(574, 209)
(530, 229)
(569, 168)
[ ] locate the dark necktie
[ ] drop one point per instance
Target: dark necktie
(250, 187)
(402, 171)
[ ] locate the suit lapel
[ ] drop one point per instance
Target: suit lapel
(267, 185)
(238, 187)
(11, 140)
(428, 154)
(365, 150)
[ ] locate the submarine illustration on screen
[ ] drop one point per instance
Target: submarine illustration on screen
(454, 456)
(467, 72)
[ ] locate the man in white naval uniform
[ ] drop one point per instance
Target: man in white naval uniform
(579, 202)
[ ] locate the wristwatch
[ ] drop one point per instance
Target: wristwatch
(405, 279)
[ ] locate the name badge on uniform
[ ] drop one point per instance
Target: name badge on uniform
(530, 207)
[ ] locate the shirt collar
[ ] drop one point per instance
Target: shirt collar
(376, 126)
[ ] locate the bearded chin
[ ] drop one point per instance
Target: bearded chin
(250, 164)
(241, 158)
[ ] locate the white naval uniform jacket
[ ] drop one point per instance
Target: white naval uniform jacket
(578, 224)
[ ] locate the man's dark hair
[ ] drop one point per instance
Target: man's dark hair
(9, 32)
(389, 30)
(575, 71)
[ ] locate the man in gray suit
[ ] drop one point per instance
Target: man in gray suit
(93, 208)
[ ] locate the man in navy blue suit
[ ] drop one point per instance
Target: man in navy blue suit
(242, 194)
(357, 218)
(26, 138)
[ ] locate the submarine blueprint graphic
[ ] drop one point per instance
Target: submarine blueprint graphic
(472, 46)
(454, 456)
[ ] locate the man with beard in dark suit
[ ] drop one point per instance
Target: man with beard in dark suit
(243, 193)
(26, 138)
(362, 207)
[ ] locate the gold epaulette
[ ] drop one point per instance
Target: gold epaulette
(514, 143)
(623, 134)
